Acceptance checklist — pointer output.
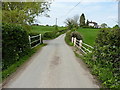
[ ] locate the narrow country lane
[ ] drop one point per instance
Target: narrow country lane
(54, 66)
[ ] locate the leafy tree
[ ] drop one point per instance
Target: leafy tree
(87, 23)
(75, 21)
(116, 26)
(69, 23)
(82, 20)
(72, 22)
(104, 25)
(23, 12)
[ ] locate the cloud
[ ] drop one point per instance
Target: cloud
(100, 12)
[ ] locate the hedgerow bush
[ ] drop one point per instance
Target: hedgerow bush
(108, 47)
(68, 38)
(70, 34)
(105, 59)
(77, 35)
(54, 34)
(15, 44)
(49, 35)
(107, 52)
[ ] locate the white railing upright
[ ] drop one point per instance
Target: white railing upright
(82, 46)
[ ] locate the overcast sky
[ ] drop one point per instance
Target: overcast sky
(100, 11)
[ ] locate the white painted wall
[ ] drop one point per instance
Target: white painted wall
(91, 24)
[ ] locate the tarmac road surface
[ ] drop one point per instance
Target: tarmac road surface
(54, 66)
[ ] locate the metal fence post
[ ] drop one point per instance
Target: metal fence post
(74, 41)
(40, 38)
(80, 43)
(30, 41)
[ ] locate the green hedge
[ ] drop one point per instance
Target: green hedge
(77, 35)
(68, 38)
(105, 59)
(70, 34)
(15, 44)
(54, 34)
(107, 48)
(107, 53)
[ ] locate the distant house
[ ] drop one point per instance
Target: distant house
(93, 24)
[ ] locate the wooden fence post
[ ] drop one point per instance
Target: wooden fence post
(74, 41)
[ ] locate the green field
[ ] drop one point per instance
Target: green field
(43, 29)
(89, 35)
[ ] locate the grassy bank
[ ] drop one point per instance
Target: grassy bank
(53, 34)
(48, 32)
(44, 29)
(22, 60)
(89, 35)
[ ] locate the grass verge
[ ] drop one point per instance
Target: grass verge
(104, 75)
(77, 55)
(15, 66)
(68, 38)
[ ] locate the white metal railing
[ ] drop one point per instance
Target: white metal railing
(85, 48)
(88, 45)
(34, 41)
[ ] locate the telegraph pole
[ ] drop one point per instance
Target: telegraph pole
(56, 28)
(56, 21)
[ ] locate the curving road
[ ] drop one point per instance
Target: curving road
(55, 66)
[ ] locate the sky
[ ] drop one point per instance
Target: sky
(100, 11)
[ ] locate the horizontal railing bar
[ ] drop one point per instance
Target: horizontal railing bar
(35, 45)
(88, 45)
(77, 40)
(86, 49)
(35, 41)
(81, 49)
(34, 36)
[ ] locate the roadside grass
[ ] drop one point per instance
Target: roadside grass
(78, 55)
(44, 29)
(15, 66)
(89, 35)
(67, 38)
(100, 65)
